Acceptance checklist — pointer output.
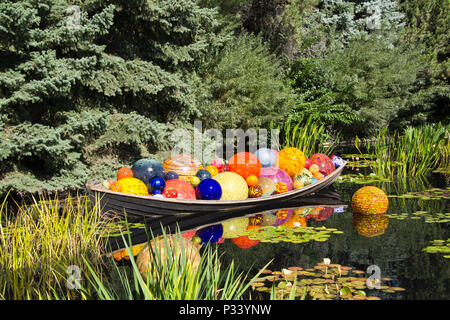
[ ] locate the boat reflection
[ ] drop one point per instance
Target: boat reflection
(215, 227)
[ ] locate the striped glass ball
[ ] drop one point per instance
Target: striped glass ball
(370, 200)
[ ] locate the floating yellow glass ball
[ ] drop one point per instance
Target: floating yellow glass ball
(370, 225)
(370, 200)
(233, 186)
(133, 186)
(291, 160)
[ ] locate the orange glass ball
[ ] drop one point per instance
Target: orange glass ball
(295, 220)
(252, 180)
(291, 160)
(370, 200)
(124, 172)
(318, 175)
(114, 186)
(184, 165)
(245, 164)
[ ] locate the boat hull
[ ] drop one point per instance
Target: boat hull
(134, 206)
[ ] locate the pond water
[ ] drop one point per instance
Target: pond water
(405, 247)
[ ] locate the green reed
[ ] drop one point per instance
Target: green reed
(415, 152)
(173, 277)
(40, 241)
(307, 136)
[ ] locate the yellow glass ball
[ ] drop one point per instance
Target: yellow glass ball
(234, 187)
(298, 184)
(370, 200)
(291, 160)
(213, 170)
(194, 181)
(133, 186)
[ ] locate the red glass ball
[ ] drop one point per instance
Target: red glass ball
(325, 164)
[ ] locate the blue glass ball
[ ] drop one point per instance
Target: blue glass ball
(313, 180)
(208, 189)
(337, 161)
(171, 175)
(146, 169)
(211, 233)
(157, 185)
(266, 156)
(203, 174)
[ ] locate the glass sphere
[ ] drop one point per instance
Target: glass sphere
(233, 186)
(244, 164)
(209, 189)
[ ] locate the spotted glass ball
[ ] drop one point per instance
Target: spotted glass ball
(291, 160)
(370, 200)
(255, 191)
(146, 169)
(324, 163)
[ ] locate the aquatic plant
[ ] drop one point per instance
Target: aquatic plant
(416, 151)
(300, 234)
(307, 136)
(325, 281)
(360, 178)
(439, 246)
(40, 241)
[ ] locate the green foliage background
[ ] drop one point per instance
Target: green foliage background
(87, 86)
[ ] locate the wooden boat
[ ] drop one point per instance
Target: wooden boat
(135, 206)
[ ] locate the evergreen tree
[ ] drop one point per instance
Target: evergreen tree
(88, 86)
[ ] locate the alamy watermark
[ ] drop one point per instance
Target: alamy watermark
(212, 143)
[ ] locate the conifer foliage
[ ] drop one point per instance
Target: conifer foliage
(88, 85)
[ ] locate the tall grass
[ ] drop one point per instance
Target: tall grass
(173, 278)
(307, 136)
(415, 152)
(41, 240)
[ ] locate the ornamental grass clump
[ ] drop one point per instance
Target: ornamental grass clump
(43, 244)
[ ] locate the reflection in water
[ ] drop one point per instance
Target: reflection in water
(370, 225)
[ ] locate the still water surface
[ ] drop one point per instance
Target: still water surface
(418, 215)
